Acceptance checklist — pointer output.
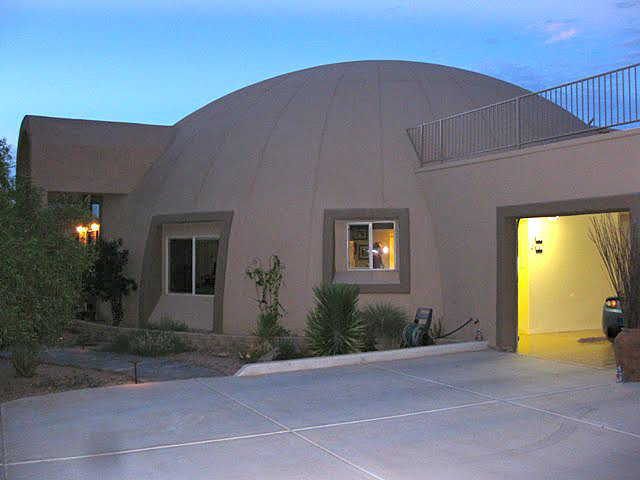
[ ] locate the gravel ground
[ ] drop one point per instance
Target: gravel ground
(53, 379)
(223, 365)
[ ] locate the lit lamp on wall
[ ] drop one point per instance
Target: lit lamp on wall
(88, 234)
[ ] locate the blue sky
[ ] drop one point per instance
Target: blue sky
(155, 61)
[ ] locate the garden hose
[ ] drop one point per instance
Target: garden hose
(475, 322)
(415, 334)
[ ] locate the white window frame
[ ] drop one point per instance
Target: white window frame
(370, 267)
(193, 263)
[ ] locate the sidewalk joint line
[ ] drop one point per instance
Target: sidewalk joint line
(601, 426)
(145, 449)
(294, 432)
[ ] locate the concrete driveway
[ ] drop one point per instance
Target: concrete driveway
(470, 415)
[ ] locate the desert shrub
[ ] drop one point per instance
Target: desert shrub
(287, 350)
(269, 328)
(383, 323)
(167, 323)
(268, 281)
(149, 343)
(335, 327)
(77, 380)
(88, 337)
(156, 343)
(42, 263)
(119, 344)
(106, 279)
(24, 359)
(253, 352)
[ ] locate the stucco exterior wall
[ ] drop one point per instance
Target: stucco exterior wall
(68, 155)
(463, 199)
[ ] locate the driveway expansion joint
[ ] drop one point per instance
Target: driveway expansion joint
(512, 402)
(295, 433)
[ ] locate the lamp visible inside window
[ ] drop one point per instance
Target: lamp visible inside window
(371, 245)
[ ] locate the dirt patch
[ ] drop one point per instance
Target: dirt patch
(223, 365)
(53, 379)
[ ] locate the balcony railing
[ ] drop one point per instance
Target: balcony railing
(578, 108)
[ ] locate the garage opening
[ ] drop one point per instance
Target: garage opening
(563, 288)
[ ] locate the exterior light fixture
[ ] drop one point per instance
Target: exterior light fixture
(94, 227)
(81, 229)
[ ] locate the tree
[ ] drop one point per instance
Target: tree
(42, 265)
(106, 279)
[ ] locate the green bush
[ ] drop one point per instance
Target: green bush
(106, 279)
(168, 324)
(156, 343)
(269, 328)
(384, 323)
(24, 358)
(287, 350)
(42, 263)
(149, 343)
(335, 327)
(120, 344)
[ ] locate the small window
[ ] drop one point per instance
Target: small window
(371, 245)
(184, 254)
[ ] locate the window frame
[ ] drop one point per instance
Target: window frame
(370, 268)
(193, 263)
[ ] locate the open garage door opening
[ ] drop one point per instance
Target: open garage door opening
(564, 291)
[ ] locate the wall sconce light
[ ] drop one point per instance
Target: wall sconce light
(538, 245)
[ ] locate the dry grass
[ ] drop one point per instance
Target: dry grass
(53, 379)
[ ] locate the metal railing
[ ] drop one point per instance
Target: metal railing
(577, 108)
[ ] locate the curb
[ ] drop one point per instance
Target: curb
(313, 363)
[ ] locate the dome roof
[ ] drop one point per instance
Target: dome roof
(282, 151)
(302, 126)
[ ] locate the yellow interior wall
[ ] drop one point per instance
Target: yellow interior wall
(562, 288)
(523, 276)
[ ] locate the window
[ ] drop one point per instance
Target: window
(371, 245)
(192, 265)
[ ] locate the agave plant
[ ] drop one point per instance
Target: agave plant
(335, 326)
(384, 323)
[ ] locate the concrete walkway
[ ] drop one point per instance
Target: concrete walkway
(478, 415)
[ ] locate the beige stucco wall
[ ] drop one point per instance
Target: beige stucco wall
(566, 282)
(280, 153)
(68, 155)
(463, 199)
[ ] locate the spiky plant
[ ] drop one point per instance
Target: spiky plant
(335, 327)
(621, 259)
(384, 323)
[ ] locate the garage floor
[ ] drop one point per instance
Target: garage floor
(588, 347)
(476, 415)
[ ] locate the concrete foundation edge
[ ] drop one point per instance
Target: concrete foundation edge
(266, 368)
